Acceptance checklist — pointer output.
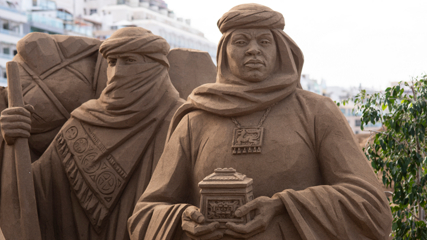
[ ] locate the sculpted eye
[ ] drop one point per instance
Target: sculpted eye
(112, 62)
(265, 41)
(130, 60)
(240, 42)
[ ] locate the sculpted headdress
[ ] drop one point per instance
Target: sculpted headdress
(231, 96)
(135, 90)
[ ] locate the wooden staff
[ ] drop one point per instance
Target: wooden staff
(23, 219)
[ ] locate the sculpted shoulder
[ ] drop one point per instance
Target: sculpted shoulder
(314, 101)
(200, 118)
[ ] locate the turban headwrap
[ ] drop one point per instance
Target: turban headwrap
(231, 96)
(136, 40)
(133, 91)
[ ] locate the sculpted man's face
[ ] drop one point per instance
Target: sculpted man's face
(251, 54)
(115, 61)
(125, 59)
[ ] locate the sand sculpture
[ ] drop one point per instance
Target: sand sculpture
(88, 180)
(310, 180)
(186, 71)
(58, 73)
(262, 157)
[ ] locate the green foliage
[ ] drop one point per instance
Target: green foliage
(398, 151)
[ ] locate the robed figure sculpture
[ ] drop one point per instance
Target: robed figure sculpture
(90, 177)
(310, 179)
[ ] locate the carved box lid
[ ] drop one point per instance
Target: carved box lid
(225, 178)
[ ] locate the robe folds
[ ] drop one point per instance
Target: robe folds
(309, 159)
(89, 179)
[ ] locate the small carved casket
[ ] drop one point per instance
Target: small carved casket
(222, 193)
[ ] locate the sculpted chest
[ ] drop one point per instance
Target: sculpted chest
(286, 155)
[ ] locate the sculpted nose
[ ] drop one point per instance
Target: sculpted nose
(253, 50)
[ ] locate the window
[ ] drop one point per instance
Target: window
(5, 25)
(6, 51)
(358, 123)
(342, 110)
(34, 3)
(15, 52)
(4, 74)
(14, 27)
(93, 11)
(84, 11)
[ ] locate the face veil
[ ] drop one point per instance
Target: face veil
(133, 91)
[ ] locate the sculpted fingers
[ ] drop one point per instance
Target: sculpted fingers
(17, 111)
(29, 108)
(245, 209)
(12, 135)
(193, 213)
(8, 120)
(15, 126)
(258, 223)
(18, 133)
(192, 220)
(198, 230)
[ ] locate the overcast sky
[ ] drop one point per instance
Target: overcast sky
(372, 42)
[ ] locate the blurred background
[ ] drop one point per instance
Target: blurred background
(348, 45)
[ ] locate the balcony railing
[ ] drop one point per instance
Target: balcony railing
(6, 56)
(12, 10)
(12, 33)
(84, 30)
(53, 22)
(3, 82)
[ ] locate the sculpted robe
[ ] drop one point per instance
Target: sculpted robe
(310, 160)
(90, 177)
(79, 198)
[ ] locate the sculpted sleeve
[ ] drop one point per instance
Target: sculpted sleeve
(53, 195)
(157, 214)
(351, 204)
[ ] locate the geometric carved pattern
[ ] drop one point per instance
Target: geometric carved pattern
(222, 209)
(80, 145)
(71, 133)
(247, 140)
(89, 165)
(106, 182)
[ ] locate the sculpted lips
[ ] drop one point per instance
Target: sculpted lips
(254, 63)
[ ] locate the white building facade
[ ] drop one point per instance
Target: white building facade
(12, 28)
(151, 15)
(338, 94)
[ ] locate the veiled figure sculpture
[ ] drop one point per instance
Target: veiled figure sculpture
(89, 178)
(310, 179)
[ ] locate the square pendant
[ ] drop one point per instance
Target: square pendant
(247, 140)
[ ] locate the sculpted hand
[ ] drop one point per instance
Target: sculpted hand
(266, 209)
(16, 123)
(192, 220)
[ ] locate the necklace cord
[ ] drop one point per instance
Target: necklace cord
(261, 121)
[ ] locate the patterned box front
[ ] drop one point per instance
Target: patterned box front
(222, 193)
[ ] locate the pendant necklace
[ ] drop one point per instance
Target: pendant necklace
(248, 139)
